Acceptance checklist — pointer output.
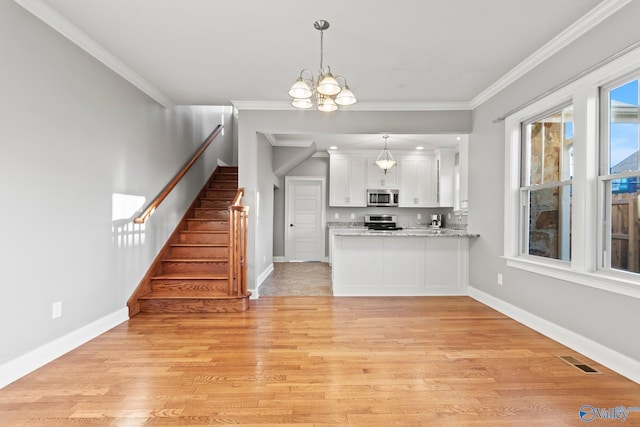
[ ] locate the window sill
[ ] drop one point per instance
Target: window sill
(611, 281)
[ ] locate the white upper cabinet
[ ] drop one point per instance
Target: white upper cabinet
(424, 180)
(376, 178)
(418, 182)
(347, 179)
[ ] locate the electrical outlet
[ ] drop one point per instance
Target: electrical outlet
(353, 216)
(499, 279)
(336, 215)
(56, 310)
(419, 216)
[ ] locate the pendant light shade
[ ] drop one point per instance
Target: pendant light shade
(300, 89)
(385, 160)
(328, 85)
(346, 97)
(303, 103)
(329, 93)
(326, 104)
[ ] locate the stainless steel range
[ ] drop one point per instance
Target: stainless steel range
(381, 222)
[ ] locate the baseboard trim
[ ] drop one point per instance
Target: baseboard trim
(279, 259)
(261, 278)
(624, 365)
(29, 362)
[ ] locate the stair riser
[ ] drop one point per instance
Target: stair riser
(235, 305)
(215, 203)
(226, 173)
(186, 267)
(223, 185)
(216, 287)
(220, 214)
(199, 252)
(221, 194)
(204, 237)
(206, 225)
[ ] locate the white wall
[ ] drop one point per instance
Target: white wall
(264, 223)
(73, 134)
(606, 319)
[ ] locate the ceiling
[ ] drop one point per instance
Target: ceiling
(405, 52)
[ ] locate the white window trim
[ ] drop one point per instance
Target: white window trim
(584, 266)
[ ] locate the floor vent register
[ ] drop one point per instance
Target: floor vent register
(579, 365)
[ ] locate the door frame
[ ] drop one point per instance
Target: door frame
(288, 180)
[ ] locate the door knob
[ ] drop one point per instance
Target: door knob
(290, 225)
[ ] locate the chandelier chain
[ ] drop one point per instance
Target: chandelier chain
(321, 50)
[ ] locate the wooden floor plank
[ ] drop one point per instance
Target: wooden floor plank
(314, 361)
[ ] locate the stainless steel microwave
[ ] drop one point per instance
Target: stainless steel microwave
(382, 197)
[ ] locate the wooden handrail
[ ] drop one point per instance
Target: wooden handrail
(165, 192)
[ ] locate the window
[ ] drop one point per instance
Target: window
(547, 145)
(620, 176)
(572, 181)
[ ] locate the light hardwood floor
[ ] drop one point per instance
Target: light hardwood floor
(305, 361)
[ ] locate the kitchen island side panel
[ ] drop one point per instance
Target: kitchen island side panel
(360, 265)
(387, 265)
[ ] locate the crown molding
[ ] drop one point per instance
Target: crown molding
(595, 16)
(360, 106)
(293, 143)
(598, 14)
(60, 24)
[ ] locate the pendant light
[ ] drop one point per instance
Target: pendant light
(326, 91)
(385, 159)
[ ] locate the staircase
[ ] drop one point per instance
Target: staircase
(191, 273)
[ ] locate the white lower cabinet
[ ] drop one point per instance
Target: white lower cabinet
(399, 266)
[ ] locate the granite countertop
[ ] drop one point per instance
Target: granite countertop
(414, 232)
(350, 224)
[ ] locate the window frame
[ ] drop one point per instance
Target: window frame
(585, 267)
(526, 187)
(605, 176)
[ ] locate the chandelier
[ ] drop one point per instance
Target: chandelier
(385, 159)
(327, 93)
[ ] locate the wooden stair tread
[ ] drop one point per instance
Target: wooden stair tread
(200, 245)
(190, 276)
(205, 231)
(210, 259)
(201, 295)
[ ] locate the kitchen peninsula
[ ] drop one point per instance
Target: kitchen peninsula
(406, 262)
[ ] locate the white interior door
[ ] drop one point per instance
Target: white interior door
(304, 216)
